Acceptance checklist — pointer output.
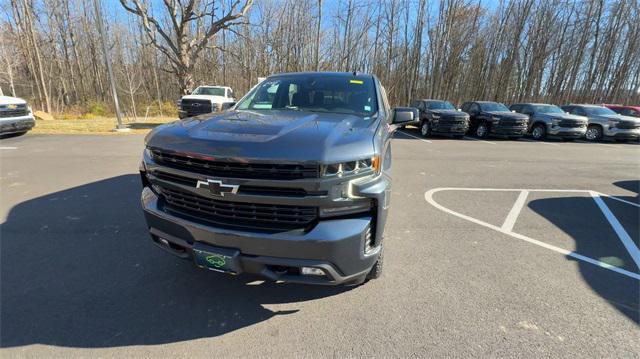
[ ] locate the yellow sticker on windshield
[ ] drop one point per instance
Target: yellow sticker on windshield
(357, 82)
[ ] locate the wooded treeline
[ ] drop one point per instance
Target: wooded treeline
(556, 51)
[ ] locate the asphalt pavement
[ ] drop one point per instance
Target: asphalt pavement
(493, 248)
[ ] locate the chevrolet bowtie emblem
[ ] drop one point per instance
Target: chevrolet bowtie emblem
(217, 188)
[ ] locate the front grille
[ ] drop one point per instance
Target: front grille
(237, 214)
(512, 122)
(571, 124)
(236, 169)
(453, 121)
(196, 107)
(18, 110)
(627, 125)
(244, 189)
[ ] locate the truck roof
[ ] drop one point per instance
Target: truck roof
(307, 73)
(534, 103)
(585, 105)
(218, 86)
(431, 99)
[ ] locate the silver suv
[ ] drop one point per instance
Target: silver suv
(603, 122)
(550, 120)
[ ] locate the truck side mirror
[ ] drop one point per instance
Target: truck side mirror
(404, 114)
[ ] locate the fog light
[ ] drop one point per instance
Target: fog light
(311, 271)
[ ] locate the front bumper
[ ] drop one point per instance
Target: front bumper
(508, 130)
(566, 132)
(336, 246)
(16, 124)
(451, 129)
(623, 134)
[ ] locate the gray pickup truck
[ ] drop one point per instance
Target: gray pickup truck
(605, 123)
(550, 120)
(293, 183)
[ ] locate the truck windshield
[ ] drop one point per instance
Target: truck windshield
(315, 93)
(547, 109)
(493, 106)
(210, 91)
(440, 105)
(599, 111)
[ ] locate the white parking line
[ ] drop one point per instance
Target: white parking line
(505, 227)
(8, 148)
(617, 227)
(617, 199)
(416, 137)
(510, 221)
(477, 139)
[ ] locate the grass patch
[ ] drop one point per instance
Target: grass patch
(98, 125)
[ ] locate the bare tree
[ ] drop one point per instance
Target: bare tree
(180, 43)
(555, 51)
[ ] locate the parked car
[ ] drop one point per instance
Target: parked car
(206, 99)
(633, 111)
(550, 120)
(440, 117)
(15, 116)
(603, 122)
(494, 118)
(293, 183)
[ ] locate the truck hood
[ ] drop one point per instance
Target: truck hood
(635, 120)
(449, 113)
(562, 116)
(280, 136)
(213, 99)
(8, 100)
(508, 114)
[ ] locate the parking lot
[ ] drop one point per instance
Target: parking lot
(493, 248)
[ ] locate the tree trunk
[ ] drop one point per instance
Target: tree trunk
(32, 34)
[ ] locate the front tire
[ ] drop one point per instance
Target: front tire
(425, 129)
(376, 270)
(594, 133)
(539, 132)
(482, 131)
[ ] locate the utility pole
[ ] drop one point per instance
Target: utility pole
(119, 127)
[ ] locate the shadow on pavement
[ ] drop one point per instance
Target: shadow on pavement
(586, 229)
(78, 270)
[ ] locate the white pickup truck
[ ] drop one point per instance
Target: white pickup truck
(206, 99)
(15, 116)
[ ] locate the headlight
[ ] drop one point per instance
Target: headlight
(613, 123)
(495, 119)
(435, 117)
(555, 122)
(351, 167)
